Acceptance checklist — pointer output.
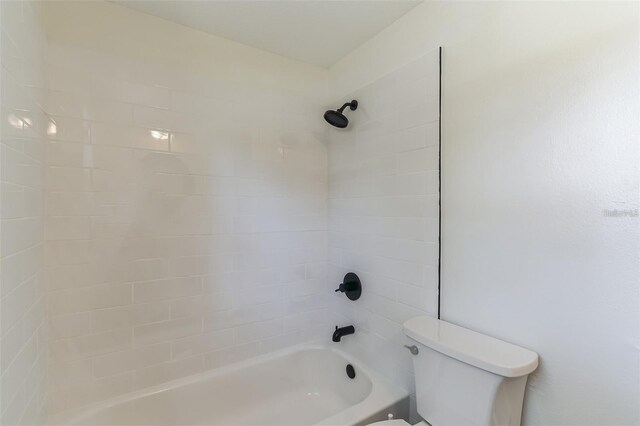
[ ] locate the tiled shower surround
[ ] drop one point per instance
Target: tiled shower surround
(383, 207)
(186, 219)
(190, 202)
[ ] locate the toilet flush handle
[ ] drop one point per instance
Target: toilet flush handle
(413, 349)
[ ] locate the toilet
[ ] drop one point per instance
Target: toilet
(465, 378)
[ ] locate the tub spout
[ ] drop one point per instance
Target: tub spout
(342, 331)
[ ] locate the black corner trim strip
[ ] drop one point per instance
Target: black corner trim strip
(439, 177)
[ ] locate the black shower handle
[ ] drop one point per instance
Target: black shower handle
(351, 286)
(342, 287)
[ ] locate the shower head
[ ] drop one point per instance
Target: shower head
(337, 118)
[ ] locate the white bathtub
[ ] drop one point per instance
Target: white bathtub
(303, 385)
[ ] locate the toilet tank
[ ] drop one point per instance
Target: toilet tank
(467, 378)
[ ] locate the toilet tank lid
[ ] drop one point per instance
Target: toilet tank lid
(471, 347)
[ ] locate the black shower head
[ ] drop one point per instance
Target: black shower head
(337, 118)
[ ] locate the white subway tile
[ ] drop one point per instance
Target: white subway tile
(131, 359)
(72, 325)
(258, 331)
(131, 137)
(201, 304)
(161, 373)
(68, 179)
(89, 298)
(67, 228)
(146, 269)
(66, 374)
(140, 94)
(150, 312)
(166, 289)
(90, 345)
(70, 130)
(167, 330)
(226, 356)
(202, 343)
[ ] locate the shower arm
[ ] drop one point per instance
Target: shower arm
(344, 106)
(352, 105)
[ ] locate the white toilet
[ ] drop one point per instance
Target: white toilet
(465, 378)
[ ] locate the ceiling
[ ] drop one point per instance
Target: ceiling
(319, 32)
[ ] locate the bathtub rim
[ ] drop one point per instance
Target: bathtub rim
(383, 392)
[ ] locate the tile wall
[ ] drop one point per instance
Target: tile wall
(186, 219)
(22, 147)
(188, 210)
(383, 212)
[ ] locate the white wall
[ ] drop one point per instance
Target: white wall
(22, 306)
(539, 138)
(168, 257)
(383, 213)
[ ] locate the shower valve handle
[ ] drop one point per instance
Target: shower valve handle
(350, 286)
(343, 287)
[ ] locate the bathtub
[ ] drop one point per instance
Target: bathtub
(302, 385)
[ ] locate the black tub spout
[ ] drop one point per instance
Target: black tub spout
(342, 331)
